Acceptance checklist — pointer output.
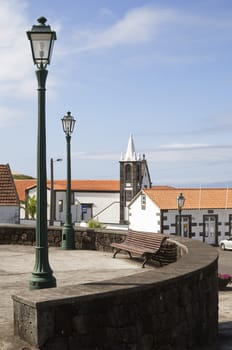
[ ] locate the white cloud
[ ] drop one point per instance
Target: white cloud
(183, 146)
(17, 71)
(191, 153)
(148, 24)
(96, 155)
(187, 153)
(139, 25)
(15, 59)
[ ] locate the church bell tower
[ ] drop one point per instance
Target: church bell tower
(134, 175)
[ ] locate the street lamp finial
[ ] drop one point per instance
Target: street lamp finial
(42, 20)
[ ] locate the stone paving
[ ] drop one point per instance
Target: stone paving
(77, 267)
(69, 266)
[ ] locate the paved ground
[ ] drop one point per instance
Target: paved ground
(70, 267)
(76, 267)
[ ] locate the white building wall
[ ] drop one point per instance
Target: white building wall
(197, 216)
(105, 206)
(148, 219)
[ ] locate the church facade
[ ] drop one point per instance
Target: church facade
(134, 176)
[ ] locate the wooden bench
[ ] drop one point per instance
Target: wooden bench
(144, 244)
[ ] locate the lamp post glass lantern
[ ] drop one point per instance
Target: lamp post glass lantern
(41, 39)
(180, 203)
(68, 123)
(68, 241)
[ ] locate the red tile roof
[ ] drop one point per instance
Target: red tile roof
(77, 185)
(89, 185)
(195, 198)
(22, 185)
(8, 193)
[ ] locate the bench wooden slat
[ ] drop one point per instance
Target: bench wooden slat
(141, 243)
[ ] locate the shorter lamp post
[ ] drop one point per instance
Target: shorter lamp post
(68, 241)
(52, 204)
(180, 203)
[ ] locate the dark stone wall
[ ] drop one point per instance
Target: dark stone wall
(85, 238)
(172, 308)
(173, 315)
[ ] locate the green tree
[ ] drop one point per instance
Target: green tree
(30, 206)
(94, 224)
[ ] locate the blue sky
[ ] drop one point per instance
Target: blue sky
(161, 70)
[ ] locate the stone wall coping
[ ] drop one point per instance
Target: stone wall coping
(199, 257)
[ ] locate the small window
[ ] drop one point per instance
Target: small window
(60, 205)
(230, 225)
(143, 202)
(128, 196)
(128, 173)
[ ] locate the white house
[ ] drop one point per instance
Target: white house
(97, 199)
(206, 214)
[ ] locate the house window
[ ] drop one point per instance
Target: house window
(210, 234)
(128, 173)
(230, 225)
(60, 205)
(86, 211)
(128, 196)
(143, 202)
(138, 174)
(185, 225)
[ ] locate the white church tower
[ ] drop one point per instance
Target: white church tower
(134, 175)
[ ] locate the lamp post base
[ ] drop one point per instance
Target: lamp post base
(42, 280)
(68, 241)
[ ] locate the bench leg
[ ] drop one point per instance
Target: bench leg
(146, 258)
(116, 252)
(144, 261)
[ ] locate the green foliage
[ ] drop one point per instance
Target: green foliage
(94, 224)
(22, 177)
(30, 206)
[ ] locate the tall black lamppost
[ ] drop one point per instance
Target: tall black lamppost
(41, 39)
(180, 203)
(68, 241)
(52, 201)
